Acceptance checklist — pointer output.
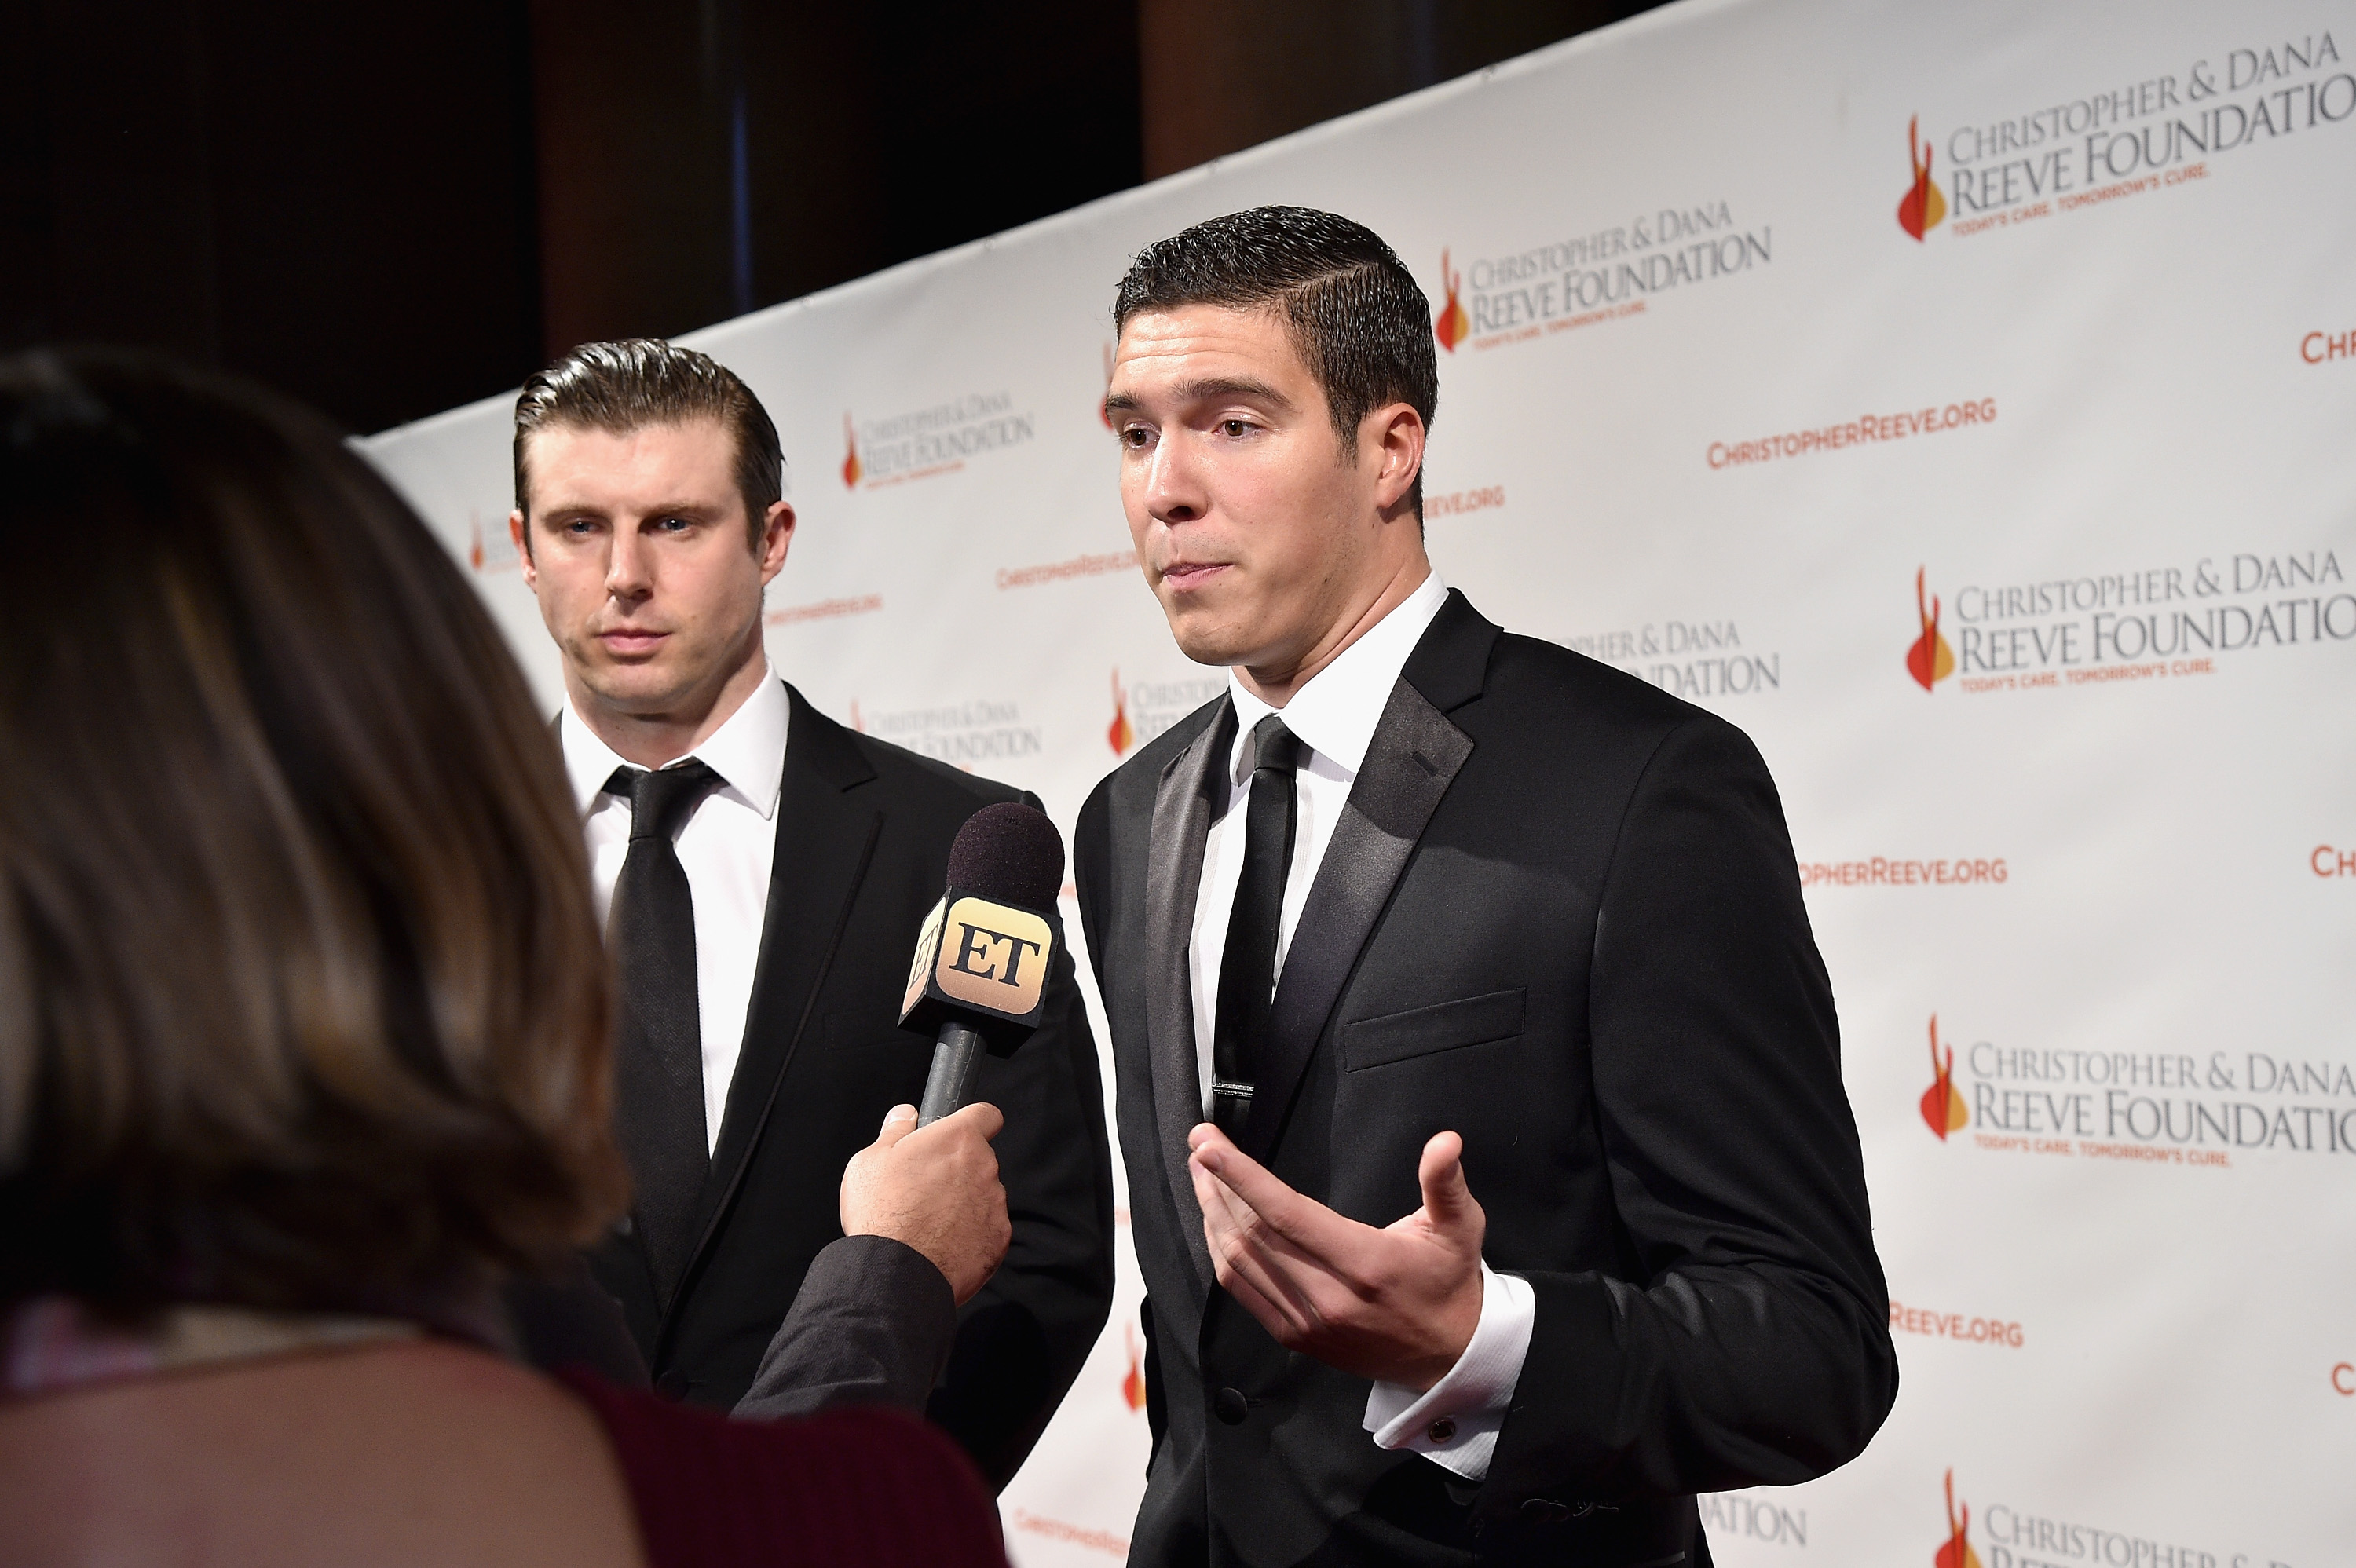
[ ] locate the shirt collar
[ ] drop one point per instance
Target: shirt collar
(748, 750)
(1335, 714)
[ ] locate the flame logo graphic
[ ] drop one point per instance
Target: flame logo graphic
(1942, 1105)
(475, 551)
(1450, 325)
(1957, 1552)
(857, 722)
(1122, 734)
(1132, 1384)
(1930, 660)
(852, 468)
(1924, 205)
(1102, 413)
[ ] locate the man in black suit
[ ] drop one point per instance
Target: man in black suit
(766, 871)
(1490, 1168)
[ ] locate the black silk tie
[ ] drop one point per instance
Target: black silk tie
(1248, 968)
(659, 1055)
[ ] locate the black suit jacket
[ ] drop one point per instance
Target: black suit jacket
(863, 836)
(1560, 916)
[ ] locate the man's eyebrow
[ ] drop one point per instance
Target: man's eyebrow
(1210, 389)
(1213, 387)
(571, 508)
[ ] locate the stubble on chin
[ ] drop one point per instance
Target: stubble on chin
(1205, 638)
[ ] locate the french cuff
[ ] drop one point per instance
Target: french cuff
(1455, 1423)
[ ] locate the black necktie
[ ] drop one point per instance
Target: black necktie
(659, 1038)
(1247, 969)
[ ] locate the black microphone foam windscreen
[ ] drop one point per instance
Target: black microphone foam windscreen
(1008, 852)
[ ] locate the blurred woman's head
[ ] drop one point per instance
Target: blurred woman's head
(302, 1002)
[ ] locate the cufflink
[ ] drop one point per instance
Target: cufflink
(1442, 1430)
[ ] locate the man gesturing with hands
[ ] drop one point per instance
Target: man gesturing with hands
(1421, 912)
(1396, 1304)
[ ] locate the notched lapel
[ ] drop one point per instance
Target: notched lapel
(826, 835)
(1414, 757)
(1173, 880)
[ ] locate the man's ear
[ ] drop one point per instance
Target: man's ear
(776, 537)
(1395, 433)
(519, 533)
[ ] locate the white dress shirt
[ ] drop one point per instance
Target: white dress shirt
(726, 846)
(1455, 1423)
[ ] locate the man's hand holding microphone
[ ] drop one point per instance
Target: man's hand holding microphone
(934, 1190)
(865, 1330)
(979, 982)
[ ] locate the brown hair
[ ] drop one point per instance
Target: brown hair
(302, 1000)
(1357, 318)
(625, 386)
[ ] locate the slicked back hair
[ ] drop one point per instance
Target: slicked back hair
(1357, 318)
(629, 384)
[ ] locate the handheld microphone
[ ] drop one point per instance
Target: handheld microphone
(979, 979)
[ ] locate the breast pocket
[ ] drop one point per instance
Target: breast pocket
(1423, 1031)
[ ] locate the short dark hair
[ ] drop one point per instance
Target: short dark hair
(1360, 323)
(302, 998)
(637, 381)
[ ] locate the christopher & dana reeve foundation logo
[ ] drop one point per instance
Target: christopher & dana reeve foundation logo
(1122, 735)
(1145, 707)
(1924, 205)
(1956, 1551)
(2157, 622)
(852, 468)
(1930, 660)
(1451, 325)
(938, 439)
(2151, 1107)
(1586, 275)
(1132, 1381)
(2138, 132)
(1944, 1110)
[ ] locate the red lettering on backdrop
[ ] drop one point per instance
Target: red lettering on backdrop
(1955, 1325)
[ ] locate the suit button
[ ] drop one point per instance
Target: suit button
(1230, 1407)
(672, 1385)
(1441, 1431)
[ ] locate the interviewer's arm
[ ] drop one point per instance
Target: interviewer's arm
(925, 1225)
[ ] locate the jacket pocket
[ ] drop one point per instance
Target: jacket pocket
(1420, 1031)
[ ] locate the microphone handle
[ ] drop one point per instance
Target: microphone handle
(949, 1085)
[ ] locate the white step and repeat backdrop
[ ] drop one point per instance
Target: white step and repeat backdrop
(1963, 400)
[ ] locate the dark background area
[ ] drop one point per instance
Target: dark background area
(388, 209)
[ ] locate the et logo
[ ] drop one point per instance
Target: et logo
(983, 947)
(979, 956)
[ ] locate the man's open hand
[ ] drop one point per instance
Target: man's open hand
(935, 1189)
(1398, 1304)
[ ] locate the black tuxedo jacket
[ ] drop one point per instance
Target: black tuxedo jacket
(1560, 916)
(863, 836)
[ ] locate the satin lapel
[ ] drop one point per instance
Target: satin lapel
(1173, 878)
(1414, 756)
(826, 835)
